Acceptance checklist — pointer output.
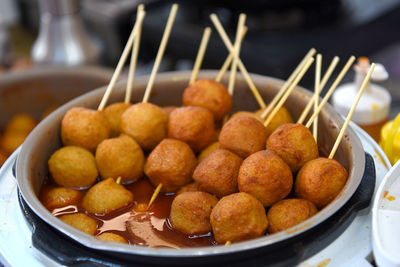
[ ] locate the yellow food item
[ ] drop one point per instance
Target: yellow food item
(390, 139)
(110, 237)
(81, 222)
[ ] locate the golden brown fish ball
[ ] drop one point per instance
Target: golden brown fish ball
(320, 181)
(58, 197)
(209, 94)
(111, 237)
(207, 151)
(81, 222)
(193, 125)
(120, 156)
(218, 173)
(11, 141)
(73, 166)
(243, 135)
(190, 212)
(169, 109)
(171, 163)
(21, 123)
(85, 128)
(281, 117)
(238, 217)
(146, 123)
(192, 187)
(294, 143)
(265, 176)
(106, 196)
(247, 114)
(289, 212)
(113, 115)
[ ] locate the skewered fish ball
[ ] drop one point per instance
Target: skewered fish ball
(85, 128)
(169, 109)
(113, 115)
(294, 143)
(58, 197)
(238, 217)
(289, 212)
(247, 114)
(243, 135)
(120, 156)
(111, 237)
(21, 123)
(81, 222)
(190, 212)
(207, 151)
(106, 196)
(209, 94)
(281, 117)
(171, 163)
(146, 123)
(73, 166)
(218, 173)
(265, 176)
(320, 181)
(193, 125)
(192, 187)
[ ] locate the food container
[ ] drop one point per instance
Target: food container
(288, 247)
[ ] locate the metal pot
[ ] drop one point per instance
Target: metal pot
(31, 170)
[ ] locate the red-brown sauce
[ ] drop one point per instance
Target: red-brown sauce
(151, 228)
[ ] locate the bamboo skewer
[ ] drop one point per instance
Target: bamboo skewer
(121, 61)
(200, 54)
(351, 112)
(160, 52)
(228, 60)
(324, 80)
(118, 181)
(316, 94)
(227, 243)
(287, 83)
(242, 68)
(154, 196)
(288, 91)
(331, 89)
(134, 56)
(236, 49)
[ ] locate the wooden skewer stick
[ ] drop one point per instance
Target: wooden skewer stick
(288, 91)
(324, 80)
(228, 60)
(160, 53)
(331, 90)
(351, 112)
(242, 68)
(118, 181)
(154, 196)
(134, 56)
(227, 243)
(121, 61)
(200, 54)
(316, 94)
(236, 49)
(287, 83)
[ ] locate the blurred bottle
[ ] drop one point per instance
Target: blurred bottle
(372, 111)
(62, 38)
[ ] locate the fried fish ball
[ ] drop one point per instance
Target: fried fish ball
(265, 176)
(169, 109)
(238, 217)
(320, 181)
(81, 222)
(21, 123)
(111, 237)
(146, 123)
(106, 196)
(193, 125)
(120, 156)
(294, 143)
(289, 212)
(11, 141)
(218, 173)
(209, 94)
(113, 115)
(207, 151)
(73, 166)
(281, 117)
(247, 114)
(58, 197)
(190, 212)
(192, 187)
(171, 163)
(243, 135)
(85, 128)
